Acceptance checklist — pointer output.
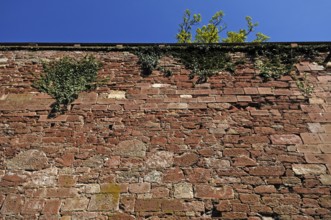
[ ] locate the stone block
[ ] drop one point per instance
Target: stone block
(306, 169)
(285, 139)
(325, 179)
(310, 138)
(139, 187)
(75, 204)
(160, 159)
(183, 191)
(130, 148)
(203, 191)
(28, 160)
(144, 205)
(104, 202)
(12, 205)
(52, 206)
(267, 171)
(113, 94)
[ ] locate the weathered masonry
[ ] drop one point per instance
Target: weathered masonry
(237, 144)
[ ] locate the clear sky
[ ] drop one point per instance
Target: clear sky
(156, 21)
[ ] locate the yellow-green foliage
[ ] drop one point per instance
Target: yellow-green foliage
(210, 33)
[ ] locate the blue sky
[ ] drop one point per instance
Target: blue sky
(155, 21)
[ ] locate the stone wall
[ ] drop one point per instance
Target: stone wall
(155, 147)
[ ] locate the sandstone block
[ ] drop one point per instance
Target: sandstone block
(325, 179)
(160, 159)
(32, 206)
(66, 180)
(75, 204)
(52, 206)
(172, 205)
(143, 205)
(183, 191)
(12, 205)
(130, 148)
(28, 160)
(153, 177)
(286, 139)
(267, 171)
(310, 138)
(92, 188)
(187, 159)
(44, 178)
(116, 94)
(209, 192)
(173, 175)
(249, 198)
(139, 187)
(304, 169)
(104, 202)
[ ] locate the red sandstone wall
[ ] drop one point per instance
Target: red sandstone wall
(159, 148)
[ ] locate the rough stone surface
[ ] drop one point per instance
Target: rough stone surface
(75, 204)
(116, 95)
(161, 159)
(103, 202)
(28, 160)
(183, 191)
(154, 147)
(302, 169)
(131, 148)
(285, 139)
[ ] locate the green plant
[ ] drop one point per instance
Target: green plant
(66, 78)
(149, 61)
(204, 61)
(304, 86)
(210, 33)
(272, 69)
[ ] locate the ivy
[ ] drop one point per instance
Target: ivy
(149, 61)
(66, 78)
(304, 86)
(204, 62)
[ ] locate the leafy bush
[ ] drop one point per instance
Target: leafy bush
(66, 78)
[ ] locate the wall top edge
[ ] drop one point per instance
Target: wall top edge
(126, 46)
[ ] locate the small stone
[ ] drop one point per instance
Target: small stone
(32, 206)
(153, 177)
(286, 139)
(160, 159)
(159, 85)
(204, 191)
(12, 205)
(130, 148)
(104, 202)
(92, 188)
(183, 191)
(52, 206)
(303, 169)
(139, 187)
(3, 60)
(66, 180)
(44, 178)
(316, 101)
(325, 179)
(94, 162)
(75, 204)
(315, 128)
(28, 160)
(116, 94)
(186, 96)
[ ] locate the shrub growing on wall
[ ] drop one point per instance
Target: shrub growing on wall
(66, 78)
